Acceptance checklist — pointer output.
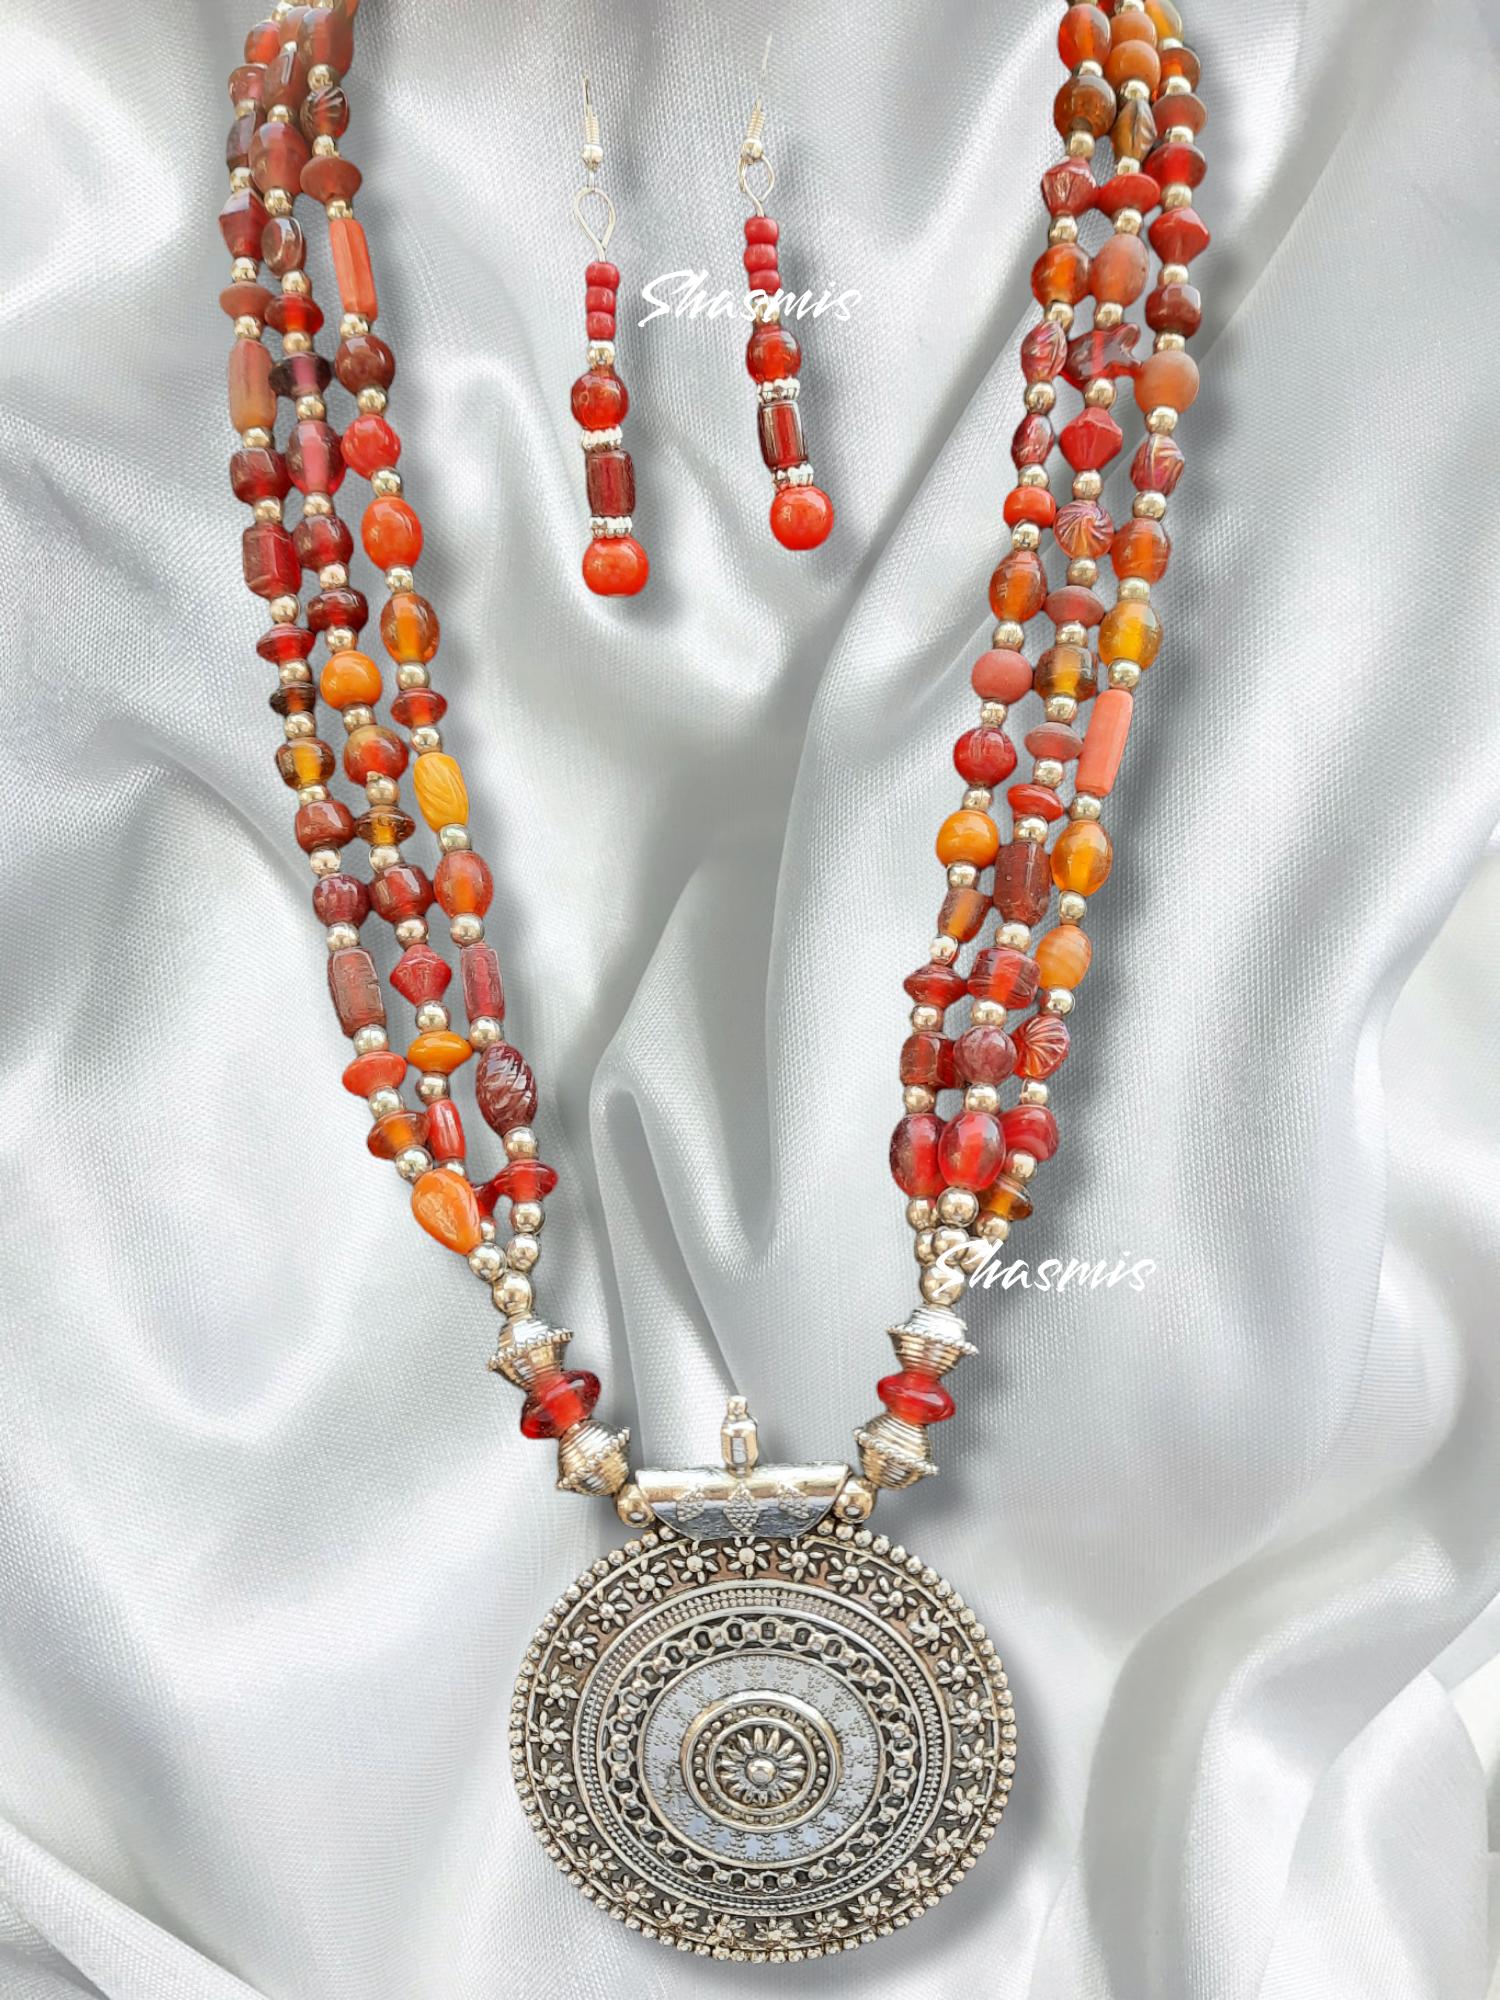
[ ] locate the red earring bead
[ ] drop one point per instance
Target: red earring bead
(801, 513)
(614, 564)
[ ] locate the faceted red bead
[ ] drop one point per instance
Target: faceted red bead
(401, 892)
(1055, 740)
(421, 974)
(1030, 503)
(1069, 188)
(1043, 352)
(278, 153)
(270, 561)
(1001, 675)
(934, 985)
(781, 441)
(340, 899)
(323, 823)
(241, 220)
(1023, 883)
(801, 517)
(294, 312)
(1041, 1045)
(773, 354)
(1033, 441)
(1175, 309)
(463, 884)
(1035, 802)
(914, 1156)
(1128, 191)
(971, 1149)
(1030, 1128)
(479, 973)
(314, 459)
(1157, 465)
(374, 752)
(1178, 236)
(984, 756)
(599, 400)
(1073, 605)
(354, 987)
(1060, 275)
(331, 179)
(616, 566)
(927, 1059)
(1083, 528)
(382, 1069)
(559, 1402)
(363, 361)
(257, 473)
(504, 1087)
(915, 1399)
(1018, 587)
(610, 480)
(445, 1130)
(320, 539)
(1004, 975)
(1091, 440)
(369, 445)
(984, 1055)
(1104, 353)
(522, 1180)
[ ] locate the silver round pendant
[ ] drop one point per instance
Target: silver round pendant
(762, 1749)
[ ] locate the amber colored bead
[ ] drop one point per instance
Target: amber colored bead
(286, 78)
(326, 180)
(1033, 801)
(1069, 188)
(418, 708)
(933, 985)
(1043, 352)
(246, 85)
(1018, 588)
(441, 1050)
(396, 1132)
(421, 974)
(1041, 1045)
(1063, 956)
(1179, 235)
(409, 629)
(1023, 883)
(252, 400)
(1132, 62)
(504, 1088)
(1082, 857)
(1060, 274)
(1000, 675)
(1157, 465)
(463, 884)
(374, 752)
(262, 43)
(305, 760)
(354, 987)
(1130, 631)
(1118, 273)
(297, 698)
(1165, 18)
(241, 220)
(314, 459)
(1070, 670)
(1104, 353)
(1134, 25)
(351, 266)
(963, 913)
(1086, 101)
(984, 756)
(479, 974)
(1032, 442)
(1091, 440)
(1007, 1198)
(773, 354)
(1030, 1128)
(556, 1404)
(927, 1059)
(256, 473)
(350, 678)
(615, 566)
(599, 400)
(323, 823)
(321, 539)
(278, 153)
(984, 1055)
(1056, 740)
(400, 892)
(370, 444)
(439, 785)
(801, 517)
(340, 899)
(1071, 604)
(1175, 309)
(1175, 163)
(920, 1399)
(914, 1156)
(343, 607)
(1186, 110)
(971, 1149)
(363, 361)
(1004, 975)
(1104, 746)
(1133, 133)
(325, 114)
(1083, 528)
(382, 1069)
(968, 836)
(1083, 36)
(285, 642)
(522, 1180)
(1029, 503)
(391, 532)
(324, 35)
(1141, 548)
(1180, 62)
(444, 1204)
(609, 482)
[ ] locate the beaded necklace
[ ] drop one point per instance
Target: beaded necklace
(760, 1730)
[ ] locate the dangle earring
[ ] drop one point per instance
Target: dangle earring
(801, 513)
(614, 564)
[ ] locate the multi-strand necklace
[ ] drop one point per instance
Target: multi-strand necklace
(759, 1730)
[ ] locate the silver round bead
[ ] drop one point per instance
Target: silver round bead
(1087, 486)
(962, 875)
(1083, 570)
(1059, 1000)
(522, 1252)
(483, 1031)
(981, 1097)
(987, 1014)
(387, 481)
(339, 638)
(368, 1040)
(284, 610)
(1072, 633)
(1128, 221)
(382, 791)
(430, 1015)
(1032, 475)
(917, 1097)
(992, 714)
(1063, 229)
(949, 1237)
(1124, 674)
(1009, 635)
(352, 325)
(1100, 395)
(333, 577)
(1149, 506)
(1162, 421)
(432, 1086)
(453, 839)
(1047, 771)
(922, 1247)
(268, 509)
(384, 857)
(294, 673)
(920, 1213)
(520, 1143)
(1025, 535)
(466, 929)
(942, 1285)
(1033, 1092)
(486, 1262)
(486, 1230)
(1177, 195)
(1080, 147)
(413, 1163)
(1134, 590)
(358, 716)
(1071, 906)
(958, 1205)
(926, 1020)
(1040, 398)
(311, 409)
(411, 930)
(1061, 708)
(943, 950)
(978, 798)
(1085, 806)
(399, 578)
(513, 1295)
(324, 861)
(245, 270)
(1034, 830)
(342, 937)
(1015, 937)
(383, 1102)
(372, 401)
(994, 1228)
(425, 737)
(527, 1217)
(601, 354)
(412, 674)
(295, 726)
(1020, 1166)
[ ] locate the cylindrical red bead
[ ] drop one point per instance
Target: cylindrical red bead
(781, 442)
(355, 989)
(610, 480)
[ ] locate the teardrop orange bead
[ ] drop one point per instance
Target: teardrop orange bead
(447, 1208)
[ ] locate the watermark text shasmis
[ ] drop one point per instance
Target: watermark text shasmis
(1055, 1274)
(685, 295)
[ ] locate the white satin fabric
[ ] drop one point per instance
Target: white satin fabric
(272, 1545)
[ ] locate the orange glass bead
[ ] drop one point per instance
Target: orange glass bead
(409, 629)
(1132, 62)
(351, 266)
(963, 913)
(1018, 588)
(391, 532)
(1167, 380)
(1132, 26)
(445, 1205)
(463, 884)
(1165, 18)
(1082, 858)
(392, 1134)
(1130, 631)
(441, 1050)
(1084, 100)
(252, 400)
(440, 789)
(615, 566)
(1104, 745)
(1181, 62)
(1141, 548)
(1063, 956)
(350, 677)
(1030, 503)
(968, 836)
(305, 760)
(1119, 271)
(1070, 670)
(1006, 1198)
(1083, 36)
(801, 516)
(373, 752)
(1061, 273)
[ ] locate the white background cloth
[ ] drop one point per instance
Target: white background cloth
(270, 1543)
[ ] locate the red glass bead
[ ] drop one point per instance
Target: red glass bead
(463, 884)
(1091, 440)
(325, 115)
(801, 516)
(1033, 441)
(1142, 548)
(286, 77)
(1030, 503)
(599, 325)
(1004, 975)
(1083, 36)
(285, 642)
(1035, 802)
(1001, 675)
(1118, 273)
(257, 473)
(1060, 275)
(615, 566)
(504, 1088)
(320, 539)
(1069, 188)
(382, 1069)
(600, 400)
(342, 607)
(369, 445)
(1073, 605)
(323, 823)
(1043, 352)
(916, 1399)
(410, 631)
(522, 1180)
(1104, 353)
(479, 973)
(278, 153)
(1030, 1128)
(984, 1055)
(554, 1405)
(1023, 883)
(445, 1130)
(341, 899)
(1178, 236)
(773, 354)
(599, 298)
(262, 43)
(1018, 587)
(245, 302)
(761, 229)
(927, 1059)
(1157, 465)
(1055, 740)
(934, 985)
(984, 756)
(1128, 191)
(324, 35)
(282, 245)
(605, 274)
(971, 1150)
(1175, 163)
(610, 481)
(300, 375)
(363, 361)
(237, 144)
(1175, 309)
(397, 1131)
(331, 179)
(914, 1156)
(354, 987)
(418, 708)
(270, 561)
(781, 442)
(294, 312)
(1083, 528)
(241, 220)
(400, 892)
(313, 457)
(1041, 1045)
(421, 974)
(374, 752)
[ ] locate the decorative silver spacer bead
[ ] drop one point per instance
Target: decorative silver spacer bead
(933, 1339)
(357, 716)
(311, 409)
(1099, 395)
(943, 1285)
(795, 475)
(1108, 315)
(894, 1453)
(601, 354)
(268, 509)
(591, 1459)
(786, 391)
(1072, 634)
(1085, 806)
(339, 638)
(609, 527)
(1149, 506)
(1025, 535)
(383, 1102)
(1063, 229)
(528, 1349)
(293, 726)
(1128, 222)
(607, 440)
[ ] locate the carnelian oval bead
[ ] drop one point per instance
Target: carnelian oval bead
(369, 443)
(1167, 380)
(391, 533)
(444, 1204)
(968, 836)
(363, 360)
(1132, 62)
(914, 1156)
(1060, 275)
(439, 1050)
(395, 893)
(1064, 955)
(971, 1149)
(1082, 858)
(1141, 548)
(463, 884)
(441, 793)
(504, 1087)
(350, 678)
(1084, 100)
(1018, 588)
(1130, 631)
(1132, 26)
(801, 517)
(409, 629)
(916, 1399)
(615, 566)
(1030, 1128)
(1118, 272)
